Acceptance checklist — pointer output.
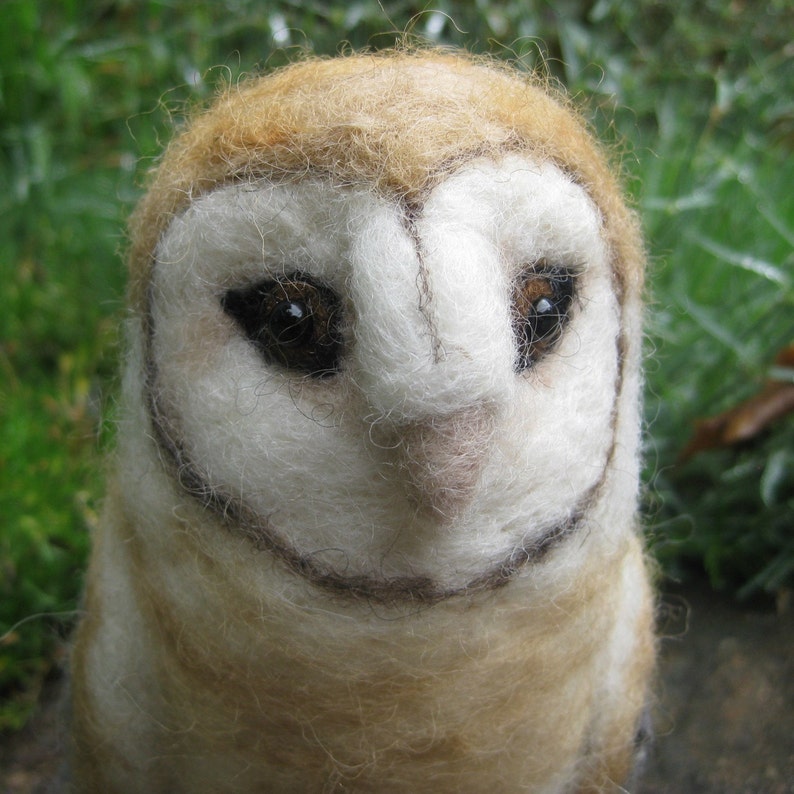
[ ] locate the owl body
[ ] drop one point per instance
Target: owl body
(372, 523)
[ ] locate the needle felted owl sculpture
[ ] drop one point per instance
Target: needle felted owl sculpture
(372, 523)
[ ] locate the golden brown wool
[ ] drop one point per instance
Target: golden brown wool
(225, 649)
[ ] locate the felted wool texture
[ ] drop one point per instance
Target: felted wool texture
(422, 573)
(397, 121)
(440, 702)
(550, 439)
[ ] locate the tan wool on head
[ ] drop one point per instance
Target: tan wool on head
(398, 121)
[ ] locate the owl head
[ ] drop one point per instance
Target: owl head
(386, 325)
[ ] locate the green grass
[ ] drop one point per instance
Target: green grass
(724, 306)
(698, 96)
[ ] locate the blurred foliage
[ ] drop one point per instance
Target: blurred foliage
(89, 92)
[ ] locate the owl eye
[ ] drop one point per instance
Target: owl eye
(293, 321)
(542, 299)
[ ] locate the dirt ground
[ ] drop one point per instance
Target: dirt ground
(724, 720)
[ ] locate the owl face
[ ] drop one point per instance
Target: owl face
(390, 396)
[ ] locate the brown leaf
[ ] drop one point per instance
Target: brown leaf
(749, 418)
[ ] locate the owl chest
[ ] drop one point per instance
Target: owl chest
(286, 698)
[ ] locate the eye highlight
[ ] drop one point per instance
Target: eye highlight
(293, 321)
(542, 299)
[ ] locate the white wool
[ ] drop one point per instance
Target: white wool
(407, 360)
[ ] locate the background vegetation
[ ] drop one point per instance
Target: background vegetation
(698, 95)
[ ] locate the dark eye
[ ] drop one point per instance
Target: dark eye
(293, 321)
(542, 299)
